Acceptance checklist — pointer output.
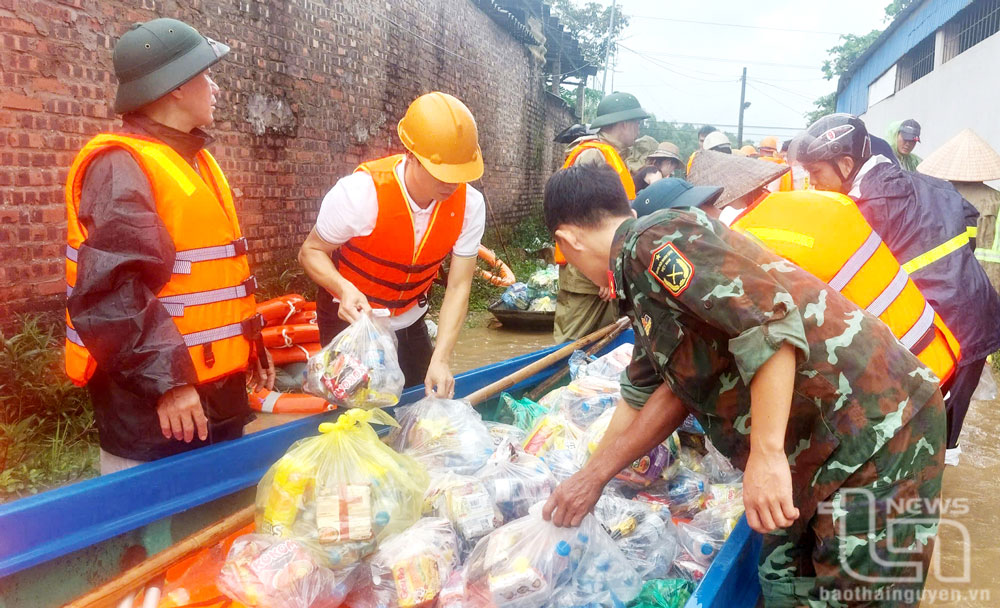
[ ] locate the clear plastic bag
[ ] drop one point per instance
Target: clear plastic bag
(443, 434)
(578, 363)
(552, 431)
(521, 413)
(644, 533)
(643, 472)
(545, 281)
(563, 463)
(543, 304)
(466, 503)
(609, 366)
(359, 367)
(684, 492)
(717, 467)
(516, 480)
(342, 491)
(586, 398)
(271, 572)
(530, 561)
(517, 297)
(986, 390)
(410, 569)
(500, 431)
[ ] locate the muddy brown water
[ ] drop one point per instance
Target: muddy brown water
(966, 569)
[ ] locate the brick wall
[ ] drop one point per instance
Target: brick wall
(310, 89)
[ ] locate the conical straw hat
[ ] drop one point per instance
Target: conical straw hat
(963, 158)
(738, 175)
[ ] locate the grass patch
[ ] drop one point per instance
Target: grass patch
(47, 432)
(522, 247)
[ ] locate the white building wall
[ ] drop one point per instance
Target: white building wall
(961, 93)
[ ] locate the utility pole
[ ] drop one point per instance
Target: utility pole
(743, 106)
(607, 47)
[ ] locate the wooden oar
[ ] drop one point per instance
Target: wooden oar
(533, 368)
(134, 578)
(621, 325)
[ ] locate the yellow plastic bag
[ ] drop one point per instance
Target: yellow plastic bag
(343, 491)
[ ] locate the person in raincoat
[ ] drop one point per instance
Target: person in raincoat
(903, 136)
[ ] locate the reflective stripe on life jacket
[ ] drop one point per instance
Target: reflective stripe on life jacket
(611, 157)
(853, 260)
(210, 291)
(387, 266)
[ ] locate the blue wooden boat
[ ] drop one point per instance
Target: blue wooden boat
(56, 545)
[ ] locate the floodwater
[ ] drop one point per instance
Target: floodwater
(966, 569)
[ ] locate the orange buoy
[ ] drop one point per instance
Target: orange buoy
(282, 336)
(296, 353)
(277, 309)
(499, 274)
(302, 317)
(274, 402)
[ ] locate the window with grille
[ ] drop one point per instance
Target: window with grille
(972, 25)
(916, 64)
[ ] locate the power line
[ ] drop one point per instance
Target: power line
(783, 89)
(775, 99)
(738, 25)
(727, 60)
(667, 67)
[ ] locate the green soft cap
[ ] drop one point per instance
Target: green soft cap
(618, 107)
(156, 57)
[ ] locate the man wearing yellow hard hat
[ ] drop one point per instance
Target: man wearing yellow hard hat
(383, 232)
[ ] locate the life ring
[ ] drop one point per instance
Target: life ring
(283, 336)
(296, 353)
(503, 276)
(303, 317)
(281, 307)
(274, 402)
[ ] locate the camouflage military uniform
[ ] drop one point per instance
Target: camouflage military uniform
(709, 307)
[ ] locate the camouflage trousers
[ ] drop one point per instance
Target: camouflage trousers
(870, 543)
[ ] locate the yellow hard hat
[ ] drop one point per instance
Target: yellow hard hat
(769, 142)
(441, 132)
(748, 150)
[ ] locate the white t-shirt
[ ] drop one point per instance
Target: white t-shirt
(350, 210)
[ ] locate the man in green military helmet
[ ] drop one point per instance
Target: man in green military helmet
(581, 306)
(162, 319)
(842, 461)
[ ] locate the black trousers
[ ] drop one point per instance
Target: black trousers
(415, 348)
(960, 391)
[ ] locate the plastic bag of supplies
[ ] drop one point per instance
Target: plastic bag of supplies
(465, 502)
(443, 434)
(531, 561)
(359, 367)
(410, 569)
(269, 572)
(516, 480)
(343, 491)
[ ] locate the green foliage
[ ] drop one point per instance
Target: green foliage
(524, 247)
(826, 104)
(284, 276)
(844, 54)
(589, 22)
(895, 8)
(591, 99)
(47, 431)
(684, 135)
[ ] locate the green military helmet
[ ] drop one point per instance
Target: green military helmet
(156, 57)
(618, 107)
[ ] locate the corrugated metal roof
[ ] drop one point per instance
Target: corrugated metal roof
(916, 22)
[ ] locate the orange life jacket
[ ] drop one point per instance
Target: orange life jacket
(385, 265)
(210, 293)
(611, 157)
(825, 234)
(786, 182)
(614, 160)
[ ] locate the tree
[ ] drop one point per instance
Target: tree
(591, 98)
(589, 23)
(844, 55)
